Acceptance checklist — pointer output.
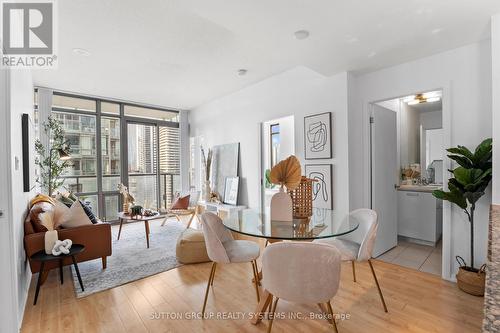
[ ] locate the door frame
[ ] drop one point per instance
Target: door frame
(445, 87)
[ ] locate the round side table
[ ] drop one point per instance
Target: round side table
(42, 257)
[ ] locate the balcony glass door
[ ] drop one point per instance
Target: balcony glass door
(142, 143)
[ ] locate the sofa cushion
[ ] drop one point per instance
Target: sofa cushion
(191, 247)
(181, 202)
(74, 217)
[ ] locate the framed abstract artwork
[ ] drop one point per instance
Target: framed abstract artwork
(318, 136)
(322, 188)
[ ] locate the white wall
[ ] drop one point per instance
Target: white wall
(299, 92)
(495, 72)
(19, 99)
(465, 75)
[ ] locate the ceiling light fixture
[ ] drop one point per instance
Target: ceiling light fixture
(301, 34)
(433, 96)
(242, 72)
(433, 99)
(81, 52)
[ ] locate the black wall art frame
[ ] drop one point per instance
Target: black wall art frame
(318, 136)
(323, 185)
(26, 133)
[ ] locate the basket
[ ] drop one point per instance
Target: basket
(302, 199)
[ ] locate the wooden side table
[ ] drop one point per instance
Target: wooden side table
(42, 257)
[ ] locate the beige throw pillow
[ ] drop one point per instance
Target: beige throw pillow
(60, 210)
(74, 217)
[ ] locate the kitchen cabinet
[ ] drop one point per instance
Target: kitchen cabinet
(420, 217)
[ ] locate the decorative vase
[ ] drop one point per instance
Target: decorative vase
(50, 239)
(281, 206)
(207, 191)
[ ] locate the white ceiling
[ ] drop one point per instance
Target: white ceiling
(183, 53)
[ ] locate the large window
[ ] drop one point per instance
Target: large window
(148, 163)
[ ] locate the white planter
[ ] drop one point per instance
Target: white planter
(50, 239)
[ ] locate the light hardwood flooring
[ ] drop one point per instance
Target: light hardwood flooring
(417, 302)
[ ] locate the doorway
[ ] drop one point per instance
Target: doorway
(406, 163)
(277, 143)
(152, 163)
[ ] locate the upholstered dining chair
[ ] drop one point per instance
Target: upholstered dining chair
(301, 272)
(358, 245)
(223, 249)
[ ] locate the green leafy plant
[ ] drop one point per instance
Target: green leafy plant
(268, 179)
(48, 160)
(470, 180)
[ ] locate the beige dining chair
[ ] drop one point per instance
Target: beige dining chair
(301, 272)
(223, 249)
(358, 245)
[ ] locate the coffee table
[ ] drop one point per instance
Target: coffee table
(125, 217)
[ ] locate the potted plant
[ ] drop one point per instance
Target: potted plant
(54, 161)
(470, 180)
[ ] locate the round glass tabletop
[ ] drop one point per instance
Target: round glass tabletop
(324, 223)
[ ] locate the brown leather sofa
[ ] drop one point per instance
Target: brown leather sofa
(96, 238)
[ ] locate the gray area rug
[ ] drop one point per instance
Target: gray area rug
(131, 259)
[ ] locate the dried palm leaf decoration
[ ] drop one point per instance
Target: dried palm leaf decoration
(287, 173)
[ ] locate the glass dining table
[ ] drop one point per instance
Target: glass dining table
(324, 223)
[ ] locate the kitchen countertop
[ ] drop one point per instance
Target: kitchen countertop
(419, 188)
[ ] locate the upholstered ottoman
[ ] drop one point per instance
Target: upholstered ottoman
(191, 248)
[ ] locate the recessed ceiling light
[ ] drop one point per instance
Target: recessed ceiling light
(436, 31)
(242, 72)
(372, 54)
(301, 34)
(81, 52)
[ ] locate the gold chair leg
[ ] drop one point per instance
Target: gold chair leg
(256, 279)
(378, 286)
(333, 316)
(210, 280)
(271, 315)
(353, 271)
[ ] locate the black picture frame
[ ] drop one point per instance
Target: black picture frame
(25, 134)
(327, 151)
(328, 168)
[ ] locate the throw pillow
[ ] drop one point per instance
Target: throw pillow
(75, 217)
(89, 212)
(47, 219)
(35, 211)
(60, 210)
(181, 203)
(65, 200)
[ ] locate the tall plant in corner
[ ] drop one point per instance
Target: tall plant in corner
(470, 180)
(49, 162)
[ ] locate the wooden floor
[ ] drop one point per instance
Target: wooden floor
(417, 302)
